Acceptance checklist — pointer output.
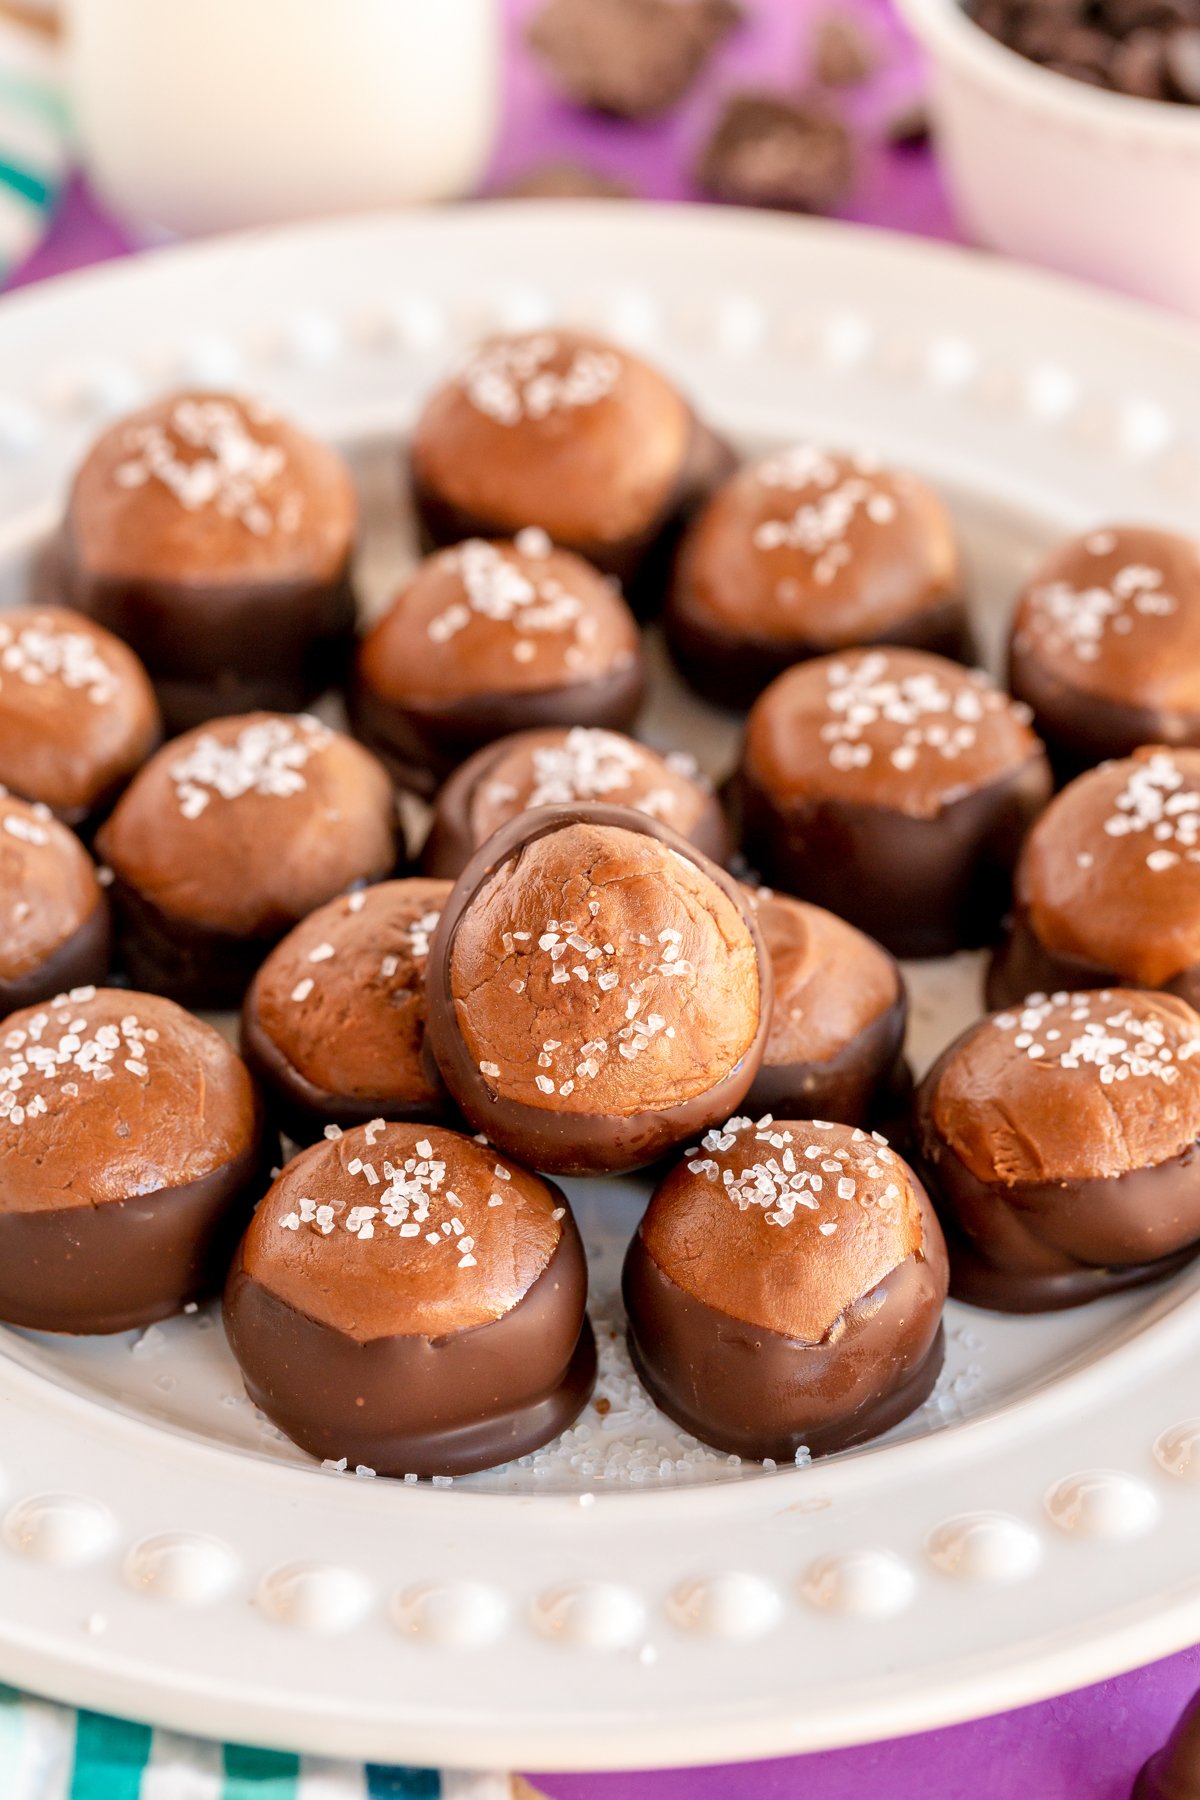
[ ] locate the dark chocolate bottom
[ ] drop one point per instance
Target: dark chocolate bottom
(978, 1282)
(1081, 729)
(1023, 965)
(227, 648)
(921, 887)
(756, 1393)
(422, 746)
(302, 1111)
(186, 962)
(1173, 1773)
(731, 670)
(868, 1077)
(82, 961)
(125, 1263)
(416, 1405)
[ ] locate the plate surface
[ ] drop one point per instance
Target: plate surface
(625, 1598)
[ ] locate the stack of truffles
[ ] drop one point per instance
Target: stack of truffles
(592, 963)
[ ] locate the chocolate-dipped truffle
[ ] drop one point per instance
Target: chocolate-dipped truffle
(486, 639)
(1105, 645)
(598, 990)
(894, 788)
(233, 833)
(785, 1288)
(1060, 1143)
(562, 767)
(835, 1044)
(215, 538)
(408, 1301)
(334, 1021)
(55, 929)
(130, 1145)
(1107, 890)
(77, 712)
(807, 551)
(568, 432)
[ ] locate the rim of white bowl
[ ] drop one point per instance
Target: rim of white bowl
(945, 29)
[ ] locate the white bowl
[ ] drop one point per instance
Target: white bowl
(1046, 168)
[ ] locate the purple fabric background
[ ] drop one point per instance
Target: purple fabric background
(1087, 1745)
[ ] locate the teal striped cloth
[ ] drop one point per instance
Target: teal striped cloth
(35, 140)
(49, 1752)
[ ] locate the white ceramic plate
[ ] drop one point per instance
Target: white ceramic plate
(624, 1599)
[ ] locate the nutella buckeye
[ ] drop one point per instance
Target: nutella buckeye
(1105, 645)
(131, 1146)
(562, 766)
(894, 788)
(488, 638)
(806, 551)
(334, 1021)
(785, 1289)
(55, 929)
(1059, 1141)
(78, 715)
(836, 1041)
(408, 1302)
(597, 990)
(215, 538)
(229, 836)
(568, 432)
(1107, 889)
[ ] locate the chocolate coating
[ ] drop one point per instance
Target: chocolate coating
(334, 1021)
(215, 538)
(808, 551)
(373, 1331)
(565, 431)
(575, 1046)
(1060, 1144)
(894, 788)
(55, 928)
(768, 1312)
(1107, 889)
(835, 1045)
(1173, 1773)
(1105, 645)
(77, 712)
(563, 766)
(488, 638)
(130, 1139)
(229, 836)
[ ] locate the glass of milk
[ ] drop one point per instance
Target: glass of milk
(196, 117)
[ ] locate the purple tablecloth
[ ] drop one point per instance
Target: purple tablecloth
(1087, 1745)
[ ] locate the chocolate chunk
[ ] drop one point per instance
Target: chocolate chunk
(1137, 65)
(908, 128)
(565, 180)
(634, 58)
(767, 151)
(843, 54)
